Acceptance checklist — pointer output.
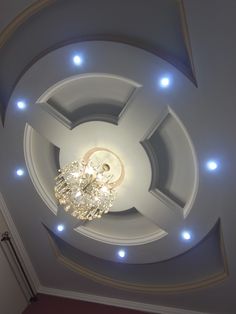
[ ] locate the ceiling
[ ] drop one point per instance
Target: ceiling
(163, 136)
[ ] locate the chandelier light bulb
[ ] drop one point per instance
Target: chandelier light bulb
(78, 194)
(84, 189)
(99, 176)
(75, 174)
(89, 170)
(104, 189)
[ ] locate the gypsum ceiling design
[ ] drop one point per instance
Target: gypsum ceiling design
(156, 199)
(163, 138)
(25, 29)
(205, 114)
(151, 278)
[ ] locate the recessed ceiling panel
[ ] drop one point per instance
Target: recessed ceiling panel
(42, 161)
(173, 161)
(89, 97)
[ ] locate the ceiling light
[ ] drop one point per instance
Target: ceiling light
(21, 104)
(86, 188)
(60, 228)
(186, 235)
(121, 253)
(212, 165)
(164, 82)
(85, 196)
(20, 172)
(77, 60)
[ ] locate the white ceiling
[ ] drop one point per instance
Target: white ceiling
(163, 137)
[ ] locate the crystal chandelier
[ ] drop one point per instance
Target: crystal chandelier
(85, 189)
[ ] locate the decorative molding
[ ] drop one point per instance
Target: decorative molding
(52, 107)
(94, 150)
(1, 115)
(151, 308)
(29, 159)
(129, 99)
(185, 30)
(21, 18)
(143, 288)
(169, 202)
(176, 204)
(122, 303)
(19, 244)
(52, 205)
(63, 119)
(39, 5)
(7, 33)
(109, 38)
(138, 240)
(192, 197)
(223, 251)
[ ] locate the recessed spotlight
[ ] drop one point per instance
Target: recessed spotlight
(20, 172)
(60, 228)
(212, 165)
(121, 253)
(164, 82)
(77, 60)
(186, 235)
(21, 104)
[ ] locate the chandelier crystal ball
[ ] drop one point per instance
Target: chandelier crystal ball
(84, 189)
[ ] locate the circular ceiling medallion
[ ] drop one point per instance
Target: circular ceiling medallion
(117, 114)
(111, 162)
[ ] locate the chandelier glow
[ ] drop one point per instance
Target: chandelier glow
(84, 189)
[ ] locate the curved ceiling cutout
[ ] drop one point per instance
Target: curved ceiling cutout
(88, 97)
(163, 35)
(156, 277)
(122, 228)
(42, 167)
(174, 165)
